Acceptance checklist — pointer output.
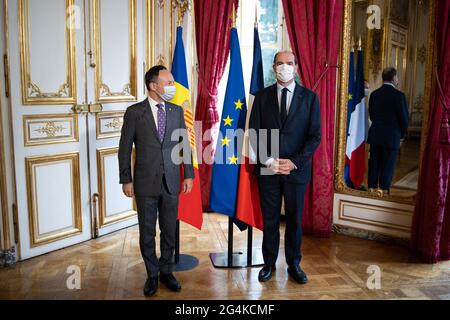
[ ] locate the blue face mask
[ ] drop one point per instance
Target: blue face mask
(169, 93)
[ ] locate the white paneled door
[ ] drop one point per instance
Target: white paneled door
(77, 65)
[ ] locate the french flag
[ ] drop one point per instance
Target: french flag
(248, 208)
(357, 131)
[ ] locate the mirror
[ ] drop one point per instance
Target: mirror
(404, 41)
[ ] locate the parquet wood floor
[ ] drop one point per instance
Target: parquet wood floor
(112, 268)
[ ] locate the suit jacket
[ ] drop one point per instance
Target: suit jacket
(298, 138)
(153, 158)
(388, 112)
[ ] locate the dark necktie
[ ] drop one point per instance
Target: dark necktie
(161, 121)
(283, 105)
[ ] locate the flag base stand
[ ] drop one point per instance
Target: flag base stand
(185, 262)
(239, 260)
(182, 262)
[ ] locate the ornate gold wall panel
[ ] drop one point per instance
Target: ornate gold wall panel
(32, 93)
(393, 219)
(105, 219)
(103, 89)
(38, 238)
(50, 129)
(159, 32)
(109, 124)
(150, 34)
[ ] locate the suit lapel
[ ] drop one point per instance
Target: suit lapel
(295, 103)
(148, 115)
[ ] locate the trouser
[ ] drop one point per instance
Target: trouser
(381, 167)
(272, 189)
(166, 205)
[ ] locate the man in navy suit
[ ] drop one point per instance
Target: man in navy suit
(388, 112)
(290, 115)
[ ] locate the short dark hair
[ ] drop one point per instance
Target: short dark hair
(389, 74)
(285, 51)
(152, 75)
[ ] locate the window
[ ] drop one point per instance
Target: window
(269, 36)
(272, 34)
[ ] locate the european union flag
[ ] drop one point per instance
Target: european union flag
(225, 171)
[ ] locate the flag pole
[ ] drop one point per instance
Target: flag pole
(250, 228)
(230, 221)
(182, 262)
(177, 243)
(230, 243)
(237, 259)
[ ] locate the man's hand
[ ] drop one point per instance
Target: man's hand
(285, 166)
(187, 185)
(128, 189)
(282, 166)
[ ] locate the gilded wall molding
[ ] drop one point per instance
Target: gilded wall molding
(32, 94)
(31, 163)
(3, 186)
(160, 27)
(102, 89)
(150, 34)
(15, 236)
(119, 216)
(45, 129)
(6, 234)
(376, 215)
(109, 124)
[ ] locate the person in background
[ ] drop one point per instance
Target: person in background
(388, 112)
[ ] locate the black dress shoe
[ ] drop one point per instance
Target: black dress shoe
(265, 274)
(297, 274)
(151, 286)
(170, 282)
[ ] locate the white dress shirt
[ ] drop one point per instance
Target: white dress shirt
(154, 108)
(289, 95)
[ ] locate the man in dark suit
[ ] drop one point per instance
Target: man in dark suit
(153, 125)
(284, 165)
(388, 112)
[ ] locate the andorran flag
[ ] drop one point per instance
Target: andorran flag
(190, 205)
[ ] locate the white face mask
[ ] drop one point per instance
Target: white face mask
(285, 72)
(169, 93)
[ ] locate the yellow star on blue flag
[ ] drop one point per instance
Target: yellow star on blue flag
(225, 171)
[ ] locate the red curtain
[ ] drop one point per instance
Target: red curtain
(212, 32)
(430, 238)
(314, 31)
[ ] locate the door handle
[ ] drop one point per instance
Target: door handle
(87, 108)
